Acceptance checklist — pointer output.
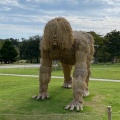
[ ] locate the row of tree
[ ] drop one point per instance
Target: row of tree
(12, 50)
(107, 48)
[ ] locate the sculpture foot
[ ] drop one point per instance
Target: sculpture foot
(41, 96)
(74, 105)
(86, 93)
(67, 85)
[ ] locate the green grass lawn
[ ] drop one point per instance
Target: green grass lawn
(16, 102)
(98, 71)
(106, 71)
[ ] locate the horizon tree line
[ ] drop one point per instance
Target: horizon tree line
(107, 48)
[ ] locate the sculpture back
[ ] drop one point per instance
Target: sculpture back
(57, 32)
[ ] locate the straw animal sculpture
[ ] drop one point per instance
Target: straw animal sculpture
(70, 48)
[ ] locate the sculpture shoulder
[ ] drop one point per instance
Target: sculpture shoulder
(82, 40)
(83, 37)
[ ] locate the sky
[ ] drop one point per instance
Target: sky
(26, 18)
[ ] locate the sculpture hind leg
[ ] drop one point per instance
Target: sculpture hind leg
(89, 59)
(86, 91)
(44, 78)
(67, 78)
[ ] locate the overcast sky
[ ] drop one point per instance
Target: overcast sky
(25, 18)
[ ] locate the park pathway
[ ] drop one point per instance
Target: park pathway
(37, 66)
(21, 66)
(60, 77)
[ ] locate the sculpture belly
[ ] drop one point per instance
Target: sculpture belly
(65, 56)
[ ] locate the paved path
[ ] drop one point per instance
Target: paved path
(93, 79)
(21, 66)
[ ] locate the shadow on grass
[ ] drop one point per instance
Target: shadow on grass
(17, 102)
(59, 97)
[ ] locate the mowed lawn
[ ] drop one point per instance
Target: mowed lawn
(98, 71)
(16, 102)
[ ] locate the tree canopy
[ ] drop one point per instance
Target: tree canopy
(107, 48)
(29, 49)
(113, 44)
(8, 52)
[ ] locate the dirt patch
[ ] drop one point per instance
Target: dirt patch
(97, 103)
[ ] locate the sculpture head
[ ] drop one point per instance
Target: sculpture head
(58, 32)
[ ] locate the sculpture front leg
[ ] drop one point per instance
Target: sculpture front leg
(79, 77)
(78, 91)
(43, 94)
(44, 79)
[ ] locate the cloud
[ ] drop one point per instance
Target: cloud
(73, 1)
(115, 10)
(19, 31)
(111, 2)
(42, 1)
(5, 8)
(24, 19)
(9, 2)
(100, 25)
(13, 3)
(103, 1)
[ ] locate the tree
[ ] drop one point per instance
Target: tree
(15, 43)
(101, 54)
(29, 49)
(113, 44)
(8, 52)
(1, 44)
(34, 44)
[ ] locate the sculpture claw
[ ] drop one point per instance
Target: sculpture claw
(86, 93)
(65, 85)
(34, 97)
(74, 105)
(41, 96)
